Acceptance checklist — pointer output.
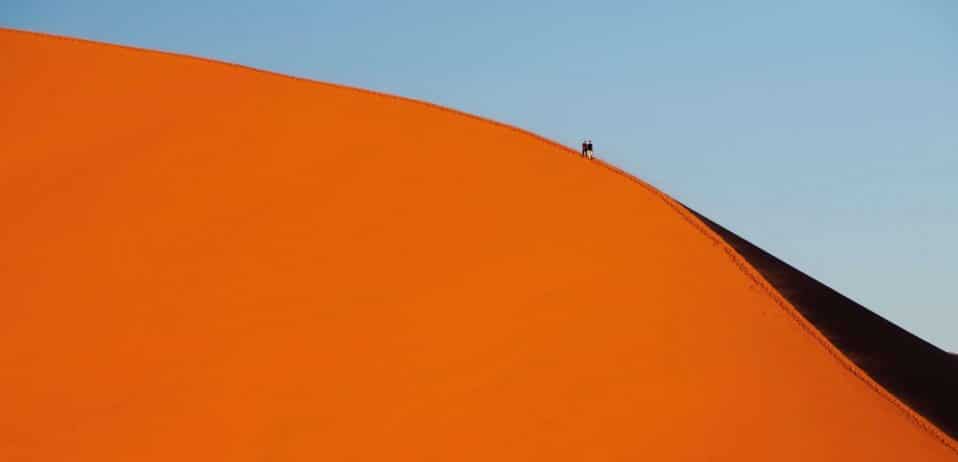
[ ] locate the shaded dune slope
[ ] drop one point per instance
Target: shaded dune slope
(917, 372)
(207, 262)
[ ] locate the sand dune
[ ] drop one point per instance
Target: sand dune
(207, 262)
(918, 373)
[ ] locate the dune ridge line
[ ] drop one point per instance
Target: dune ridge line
(737, 260)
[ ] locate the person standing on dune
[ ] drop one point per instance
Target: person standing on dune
(585, 146)
(588, 149)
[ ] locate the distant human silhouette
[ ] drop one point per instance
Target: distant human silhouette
(587, 148)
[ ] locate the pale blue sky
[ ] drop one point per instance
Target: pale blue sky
(824, 131)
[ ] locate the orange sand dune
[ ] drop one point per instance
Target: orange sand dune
(206, 262)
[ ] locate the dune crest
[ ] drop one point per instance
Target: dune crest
(208, 262)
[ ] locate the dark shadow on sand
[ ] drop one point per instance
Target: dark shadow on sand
(921, 375)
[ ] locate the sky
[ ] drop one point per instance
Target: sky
(825, 132)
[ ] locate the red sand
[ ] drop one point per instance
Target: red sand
(205, 262)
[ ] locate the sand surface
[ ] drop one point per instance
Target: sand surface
(204, 262)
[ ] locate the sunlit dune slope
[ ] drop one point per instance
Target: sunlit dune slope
(919, 374)
(205, 262)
